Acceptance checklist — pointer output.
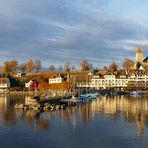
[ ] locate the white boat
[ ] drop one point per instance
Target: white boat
(136, 93)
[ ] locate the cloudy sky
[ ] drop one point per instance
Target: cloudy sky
(57, 31)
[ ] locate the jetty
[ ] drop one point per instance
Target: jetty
(52, 103)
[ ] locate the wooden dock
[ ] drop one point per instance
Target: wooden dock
(70, 102)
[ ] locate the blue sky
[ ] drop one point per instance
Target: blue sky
(57, 31)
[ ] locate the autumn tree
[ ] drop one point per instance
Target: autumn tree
(6, 67)
(84, 65)
(113, 67)
(30, 65)
(22, 67)
(37, 65)
(52, 68)
(127, 63)
(13, 65)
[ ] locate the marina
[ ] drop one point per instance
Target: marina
(124, 117)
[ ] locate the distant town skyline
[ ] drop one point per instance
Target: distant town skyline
(59, 31)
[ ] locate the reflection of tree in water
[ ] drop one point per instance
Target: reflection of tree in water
(146, 119)
(8, 117)
(11, 116)
(33, 119)
(140, 124)
(132, 109)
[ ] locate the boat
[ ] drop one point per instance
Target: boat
(83, 99)
(136, 93)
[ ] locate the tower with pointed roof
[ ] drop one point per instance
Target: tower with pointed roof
(139, 55)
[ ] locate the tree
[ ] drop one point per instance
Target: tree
(138, 65)
(30, 65)
(91, 66)
(37, 65)
(22, 67)
(51, 68)
(73, 67)
(113, 67)
(105, 68)
(67, 66)
(84, 65)
(60, 68)
(128, 63)
(13, 65)
(6, 67)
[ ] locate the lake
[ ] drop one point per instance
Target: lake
(109, 122)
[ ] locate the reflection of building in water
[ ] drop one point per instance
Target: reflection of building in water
(31, 100)
(6, 114)
(4, 102)
(140, 124)
(132, 109)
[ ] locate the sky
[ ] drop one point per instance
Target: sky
(59, 31)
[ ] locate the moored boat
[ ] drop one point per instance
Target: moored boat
(136, 93)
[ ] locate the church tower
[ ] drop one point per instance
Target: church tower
(139, 55)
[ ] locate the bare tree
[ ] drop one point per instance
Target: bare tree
(67, 66)
(128, 63)
(13, 65)
(30, 65)
(105, 68)
(37, 65)
(84, 65)
(113, 67)
(22, 67)
(73, 67)
(60, 68)
(52, 68)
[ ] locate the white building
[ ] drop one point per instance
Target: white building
(112, 81)
(55, 80)
(28, 83)
(138, 80)
(4, 83)
(109, 81)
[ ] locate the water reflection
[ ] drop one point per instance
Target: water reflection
(132, 110)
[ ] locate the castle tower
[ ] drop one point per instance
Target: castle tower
(139, 55)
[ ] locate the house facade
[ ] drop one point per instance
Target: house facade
(32, 84)
(113, 81)
(55, 80)
(4, 83)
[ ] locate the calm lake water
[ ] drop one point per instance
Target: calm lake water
(109, 122)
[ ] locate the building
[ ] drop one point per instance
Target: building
(57, 79)
(4, 84)
(106, 81)
(110, 81)
(32, 84)
(140, 62)
(139, 55)
(138, 81)
(113, 81)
